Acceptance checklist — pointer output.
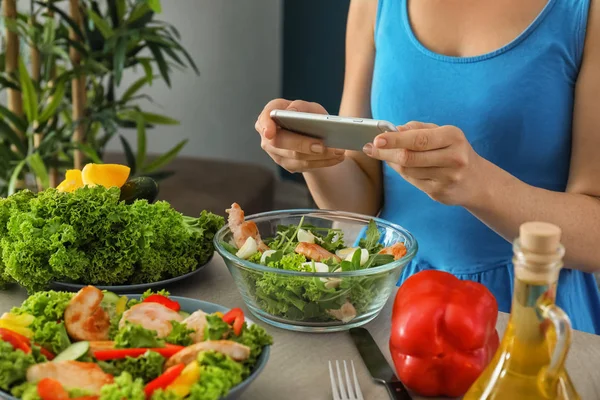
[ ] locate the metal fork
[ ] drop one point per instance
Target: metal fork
(348, 391)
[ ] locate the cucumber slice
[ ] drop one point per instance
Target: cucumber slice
(184, 314)
(110, 297)
(73, 352)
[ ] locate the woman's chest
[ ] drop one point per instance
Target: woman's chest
(466, 28)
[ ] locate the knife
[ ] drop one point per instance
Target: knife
(377, 364)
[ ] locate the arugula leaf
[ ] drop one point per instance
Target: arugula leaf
(273, 258)
(356, 259)
(371, 239)
(331, 241)
(377, 260)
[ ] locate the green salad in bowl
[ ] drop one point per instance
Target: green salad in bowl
(99, 345)
(314, 270)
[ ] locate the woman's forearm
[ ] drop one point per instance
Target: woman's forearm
(504, 203)
(345, 187)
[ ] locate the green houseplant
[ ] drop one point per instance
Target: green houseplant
(62, 62)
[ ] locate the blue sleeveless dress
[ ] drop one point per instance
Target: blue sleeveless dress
(515, 106)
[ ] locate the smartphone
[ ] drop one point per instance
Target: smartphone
(336, 132)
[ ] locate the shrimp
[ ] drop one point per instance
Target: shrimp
(152, 316)
(85, 319)
(238, 352)
(71, 375)
(346, 313)
(242, 229)
(315, 252)
(197, 322)
(397, 250)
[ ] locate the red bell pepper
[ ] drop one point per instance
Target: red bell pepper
(46, 353)
(443, 333)
(18, 341)
(235, 316)
(114, 354)
(164, 380)
(165, 301)
(50, 389)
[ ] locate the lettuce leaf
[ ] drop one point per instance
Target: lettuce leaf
(134, 336)
(91, 236)
(180, 334)
(215, 328)
(124, 387)
(48, 308)
(218, 375)
(255, 337)
(146, 367)
(14, 364)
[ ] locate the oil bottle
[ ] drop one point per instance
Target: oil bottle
(530, 362)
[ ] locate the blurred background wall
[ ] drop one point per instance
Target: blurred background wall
(248, 53)
(313, 53)
(237, 46)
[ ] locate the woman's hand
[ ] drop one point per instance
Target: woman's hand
(294, 152)
(436, 159)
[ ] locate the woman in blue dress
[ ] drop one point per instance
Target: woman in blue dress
(498, 107)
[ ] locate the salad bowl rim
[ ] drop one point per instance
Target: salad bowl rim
(411, 250)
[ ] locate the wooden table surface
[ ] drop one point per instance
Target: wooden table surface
(298, 368)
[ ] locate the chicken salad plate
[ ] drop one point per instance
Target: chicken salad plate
(99, 345)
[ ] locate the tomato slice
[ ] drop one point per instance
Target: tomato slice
(50, 389)
(18, 341)
(165, 301)
(164, 380)
(235, 317)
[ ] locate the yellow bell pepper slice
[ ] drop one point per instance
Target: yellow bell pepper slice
(18, 319)
(28, 333)
(121, 304)
(107, 175)
(219, 314)
(182, 385)
(73, 181)
(17, 323)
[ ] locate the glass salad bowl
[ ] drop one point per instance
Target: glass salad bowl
(284, 287)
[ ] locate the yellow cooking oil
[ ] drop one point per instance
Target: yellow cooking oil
(530, 361)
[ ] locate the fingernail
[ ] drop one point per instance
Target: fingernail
(339, 152)
(368, 149)
(380, 142)
(317, 148)
(292, 109)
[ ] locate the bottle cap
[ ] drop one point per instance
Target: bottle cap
(540, 237)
